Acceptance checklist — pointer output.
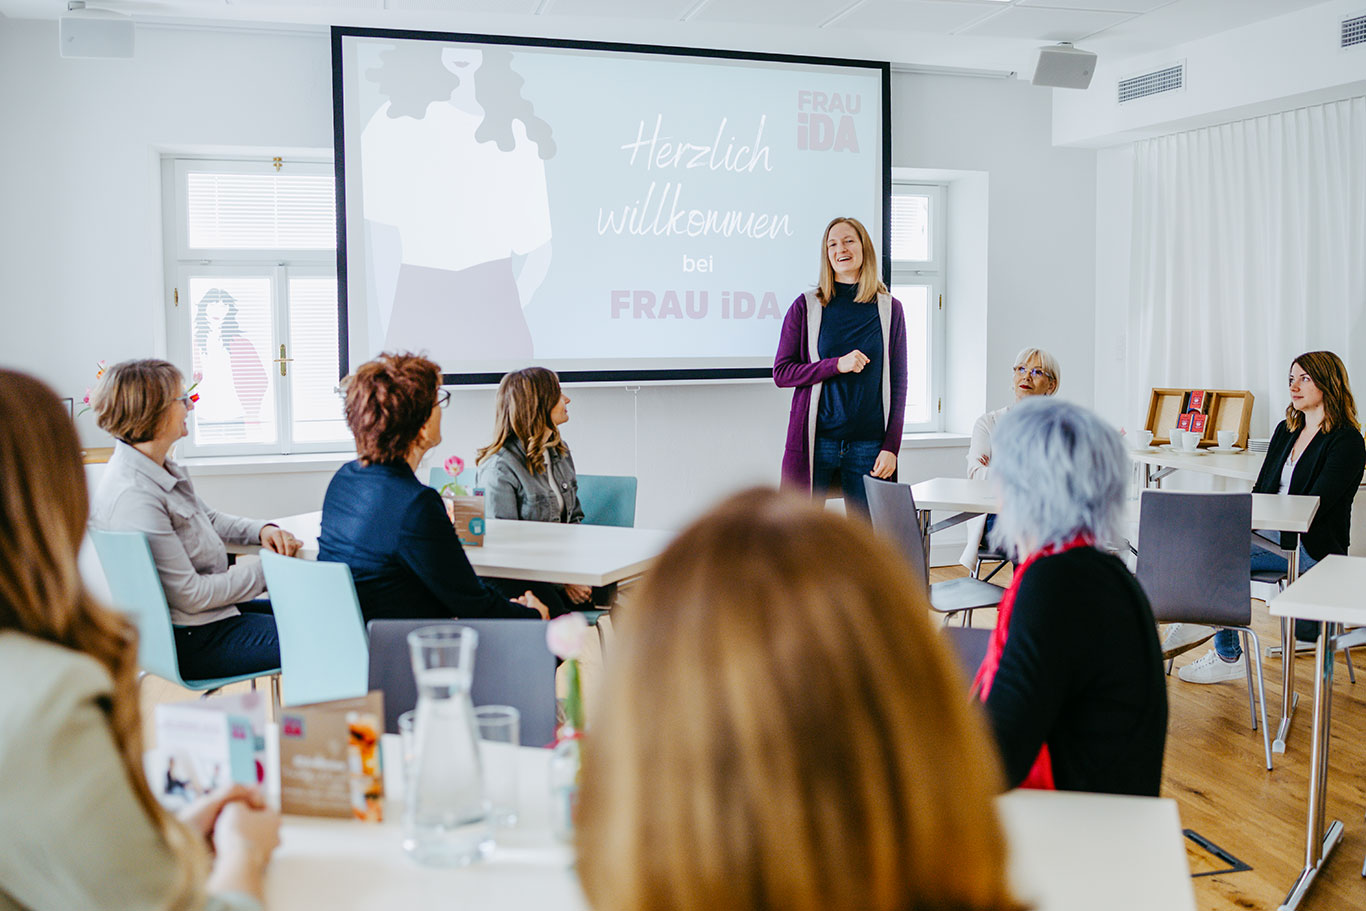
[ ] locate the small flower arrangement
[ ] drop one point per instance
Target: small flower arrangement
(564, 636)
(454, 466)
(99, 375)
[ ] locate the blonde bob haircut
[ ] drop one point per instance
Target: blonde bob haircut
(1045, 361)
(1329, 374)
(782, 730)
(132, 396)
(869, 283)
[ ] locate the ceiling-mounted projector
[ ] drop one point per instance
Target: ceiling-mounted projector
(1065, 67)
(86, 32)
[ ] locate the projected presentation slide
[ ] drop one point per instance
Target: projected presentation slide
(607, 213)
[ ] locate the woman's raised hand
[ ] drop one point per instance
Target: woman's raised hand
(853, 362)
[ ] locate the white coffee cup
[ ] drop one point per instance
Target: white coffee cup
(1178, 436)
(1226, 438)
(1191, 441)
(1143, 438)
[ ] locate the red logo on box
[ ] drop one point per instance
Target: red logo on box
(1198, 423)
(1197, 400)
(1184, 422)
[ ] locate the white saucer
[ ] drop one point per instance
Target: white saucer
(1143, 449)
(1226, 449)
(1170, 448)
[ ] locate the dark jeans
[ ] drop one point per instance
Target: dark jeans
(225, 648)
(1226, 642)
(853, 459)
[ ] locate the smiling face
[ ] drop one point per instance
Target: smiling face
(845, 250)
(1304, 392)
(1030, 378)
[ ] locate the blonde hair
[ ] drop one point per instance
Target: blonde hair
(783, 729)
(133, 395)
(521, 411)
(1045, 360)
(43, 509)
(869, 282)
(1329, 374)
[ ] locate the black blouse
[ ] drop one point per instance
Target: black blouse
(1330, 469)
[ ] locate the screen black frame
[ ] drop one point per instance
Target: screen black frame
(624, 377)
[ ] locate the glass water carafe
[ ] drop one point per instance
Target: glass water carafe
(446, 821)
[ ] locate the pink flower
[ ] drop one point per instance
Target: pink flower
(198, 377)
(454, 465)
(564, 635)
(86, 400)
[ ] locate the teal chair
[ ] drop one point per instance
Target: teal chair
(439, 479)
(323, 648)
(135, 589)
(608, 499)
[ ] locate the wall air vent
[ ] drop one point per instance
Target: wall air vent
(1168, 79)
(1354, 31)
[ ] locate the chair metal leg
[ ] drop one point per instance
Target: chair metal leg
(976, 569)
(1247, 666)
(274, 696)
(994, 570)
(1351, 671)
(1170, 662)
(1261, 694)
(967, 617)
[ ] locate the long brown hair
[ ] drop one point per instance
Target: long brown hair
(43, 511)
(869, 282)
(521, 411)
(783, 729)
(1329, 374)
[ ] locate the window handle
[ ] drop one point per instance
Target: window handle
(282, 360)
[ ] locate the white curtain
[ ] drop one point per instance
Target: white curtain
(1249, 247)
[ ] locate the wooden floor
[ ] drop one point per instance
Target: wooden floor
(1216, 773)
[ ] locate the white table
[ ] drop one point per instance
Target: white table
(535, 551)
(1243, 466)
(1330, 592)
(966, 497)
(1068, 852)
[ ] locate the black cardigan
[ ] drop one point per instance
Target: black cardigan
(1330, 469)
(1082, 672)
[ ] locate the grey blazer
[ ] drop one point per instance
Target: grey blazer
(513, 492)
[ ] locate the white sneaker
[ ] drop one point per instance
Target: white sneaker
(1183, 637)
(1210, 668)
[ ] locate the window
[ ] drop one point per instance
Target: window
(251, 254)
(918, 282)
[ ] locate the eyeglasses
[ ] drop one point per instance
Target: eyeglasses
(443, 398)
(187, 399)
(1037, 373)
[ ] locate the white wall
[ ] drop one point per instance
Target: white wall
(81, 261)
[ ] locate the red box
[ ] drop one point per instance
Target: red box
(1184, 422)
(1197, 400)
(1197, 423)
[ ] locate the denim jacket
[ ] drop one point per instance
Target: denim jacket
(513, 492)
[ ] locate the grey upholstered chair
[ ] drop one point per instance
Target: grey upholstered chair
(512, 666)
(1192, 564)
(891, 506)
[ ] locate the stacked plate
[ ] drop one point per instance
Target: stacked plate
(1254, 445)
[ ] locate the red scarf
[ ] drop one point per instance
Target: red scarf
(1040, 775)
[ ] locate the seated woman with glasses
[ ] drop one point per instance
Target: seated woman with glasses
(1036, 372)
(82, 828)
(820, 755)
(389, 527)
(219, 630)
(1072, 678)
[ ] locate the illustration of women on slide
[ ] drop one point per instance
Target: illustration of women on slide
(457, 213)
(234, 379)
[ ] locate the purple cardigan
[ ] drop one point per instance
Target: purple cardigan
(793, 366)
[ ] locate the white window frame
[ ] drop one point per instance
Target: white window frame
(184, 262)
(931, 273)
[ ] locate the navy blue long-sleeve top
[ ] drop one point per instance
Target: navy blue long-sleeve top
(407, 563)
(851, 403)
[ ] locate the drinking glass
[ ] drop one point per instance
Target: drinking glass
(499, 737)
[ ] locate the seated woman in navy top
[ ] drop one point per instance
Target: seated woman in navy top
(389, 527)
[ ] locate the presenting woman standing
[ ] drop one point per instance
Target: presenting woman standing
(843, 351)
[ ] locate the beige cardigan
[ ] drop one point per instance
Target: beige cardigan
(74, 836)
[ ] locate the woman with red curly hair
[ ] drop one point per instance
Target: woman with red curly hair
(388, 526)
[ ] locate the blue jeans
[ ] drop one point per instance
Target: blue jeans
(225, 648)
(852, 459)
(1226, 641)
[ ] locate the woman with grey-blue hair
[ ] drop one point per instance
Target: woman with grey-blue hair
(1072, 679)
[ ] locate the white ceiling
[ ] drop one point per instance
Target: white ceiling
(974, 33)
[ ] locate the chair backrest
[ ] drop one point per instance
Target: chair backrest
(438, 477)
(1193, 556)
(608, 499)
(323, 651)
(969, 646)
(135, 588)
(512, 666)
(891, 507)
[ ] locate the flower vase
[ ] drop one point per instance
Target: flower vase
(564, 782)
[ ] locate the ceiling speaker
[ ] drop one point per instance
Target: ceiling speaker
(1065, 67)
(95, 33)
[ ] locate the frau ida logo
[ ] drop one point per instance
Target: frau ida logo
(292, 726)
(824, 121)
